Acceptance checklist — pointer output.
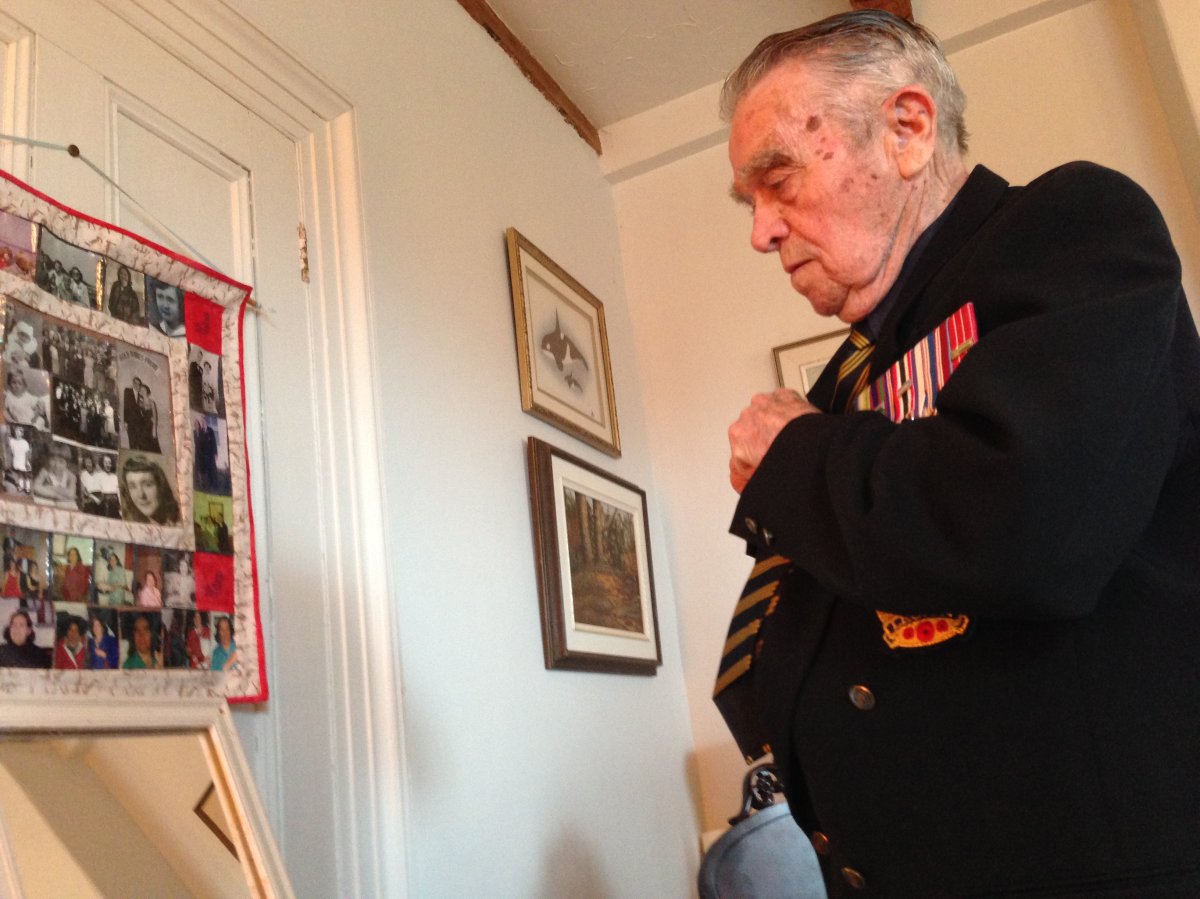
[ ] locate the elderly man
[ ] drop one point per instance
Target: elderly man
(973, 644)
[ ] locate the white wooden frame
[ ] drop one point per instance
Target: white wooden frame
(370, 775)
(230, 51)
(32, 705)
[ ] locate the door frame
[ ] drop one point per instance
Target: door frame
(370, 777)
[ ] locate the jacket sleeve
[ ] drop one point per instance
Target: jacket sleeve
(1021, 498)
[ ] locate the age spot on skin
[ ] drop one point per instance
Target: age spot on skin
(813, 123)
(828, 156)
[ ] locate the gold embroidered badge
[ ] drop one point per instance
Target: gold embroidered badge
(917, 632)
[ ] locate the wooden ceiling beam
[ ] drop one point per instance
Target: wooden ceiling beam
(481, 12)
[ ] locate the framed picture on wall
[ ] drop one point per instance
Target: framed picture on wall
(562, 348)
(799, 364)
(595, 582)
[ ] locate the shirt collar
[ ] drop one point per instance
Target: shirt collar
(871, 325)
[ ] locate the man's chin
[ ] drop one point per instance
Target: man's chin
(824, 305)
(840, 306)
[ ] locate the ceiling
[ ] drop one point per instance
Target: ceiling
(617, 58)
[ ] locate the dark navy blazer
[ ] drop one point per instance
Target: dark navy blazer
(1053, 750)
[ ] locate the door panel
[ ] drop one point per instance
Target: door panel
(202, 166)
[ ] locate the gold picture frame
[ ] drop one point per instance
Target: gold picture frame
(799, 364)
(562, 348)
(595, 582)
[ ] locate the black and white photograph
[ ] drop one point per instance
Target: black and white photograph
(124, 293)
(83, 415)
(27, 397)
(211, 472)
(79, 357)
(99, 492)
(164, 307)
(56, 475)
(18, 459)
(204, 381)
(145, 405)
(23, 336)
(72, 274)
(17, 239)
(146, 484)
(179, 580)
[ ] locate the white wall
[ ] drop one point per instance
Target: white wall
(1047, 81)
(528, 783)
(523, 782)
(1102, 106)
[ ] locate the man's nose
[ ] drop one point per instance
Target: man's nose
(768, 229)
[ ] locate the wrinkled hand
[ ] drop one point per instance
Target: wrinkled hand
(756, 429)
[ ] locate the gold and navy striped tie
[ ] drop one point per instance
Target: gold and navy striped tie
(854, 369)
(734, 691)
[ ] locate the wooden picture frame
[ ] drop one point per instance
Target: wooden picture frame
(595, 580)
(799, 364)
(562, 348)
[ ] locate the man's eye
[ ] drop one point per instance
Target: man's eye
(778, 177)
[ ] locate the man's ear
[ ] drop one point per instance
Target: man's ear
(911, 121)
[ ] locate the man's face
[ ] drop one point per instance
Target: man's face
(828, 207)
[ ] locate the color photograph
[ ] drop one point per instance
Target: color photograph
(595, 582)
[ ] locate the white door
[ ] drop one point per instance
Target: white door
(205, 168)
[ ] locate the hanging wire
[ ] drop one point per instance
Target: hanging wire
(73, 151)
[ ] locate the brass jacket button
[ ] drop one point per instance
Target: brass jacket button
(820, 842)
(862, 698)
(854, 879)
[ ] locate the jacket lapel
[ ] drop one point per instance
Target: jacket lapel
(976, 201)
(973, 205)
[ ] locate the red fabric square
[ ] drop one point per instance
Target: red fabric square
(202, 318)
(214, 582)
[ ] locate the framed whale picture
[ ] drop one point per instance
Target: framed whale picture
(562, 348)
